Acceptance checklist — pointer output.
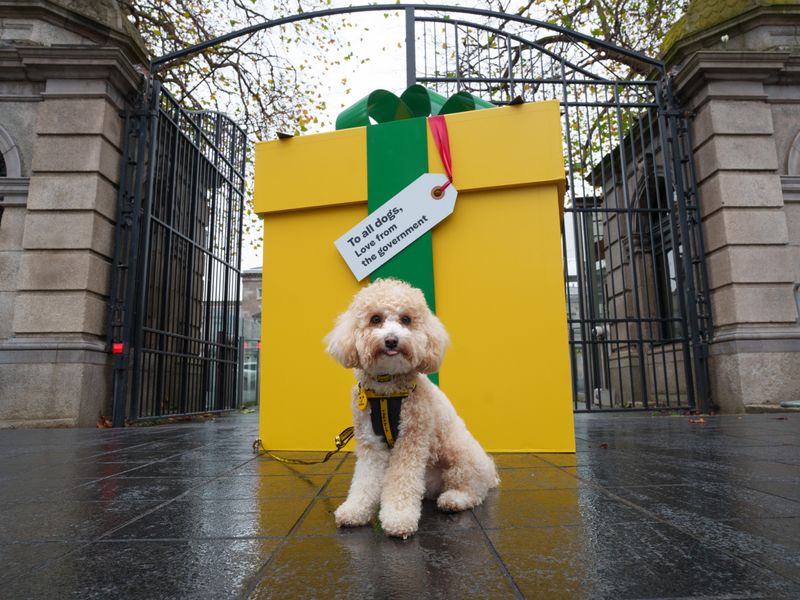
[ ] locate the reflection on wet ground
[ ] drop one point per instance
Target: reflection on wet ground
(649, 507)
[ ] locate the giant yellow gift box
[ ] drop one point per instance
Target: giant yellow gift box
(498, 271)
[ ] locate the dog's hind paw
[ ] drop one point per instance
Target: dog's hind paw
(348, 515)
(456, 500)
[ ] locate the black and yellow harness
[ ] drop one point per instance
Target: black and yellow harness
(384, 411)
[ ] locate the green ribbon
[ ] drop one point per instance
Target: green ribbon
(397, 154)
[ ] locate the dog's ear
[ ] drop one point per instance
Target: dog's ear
(341, 342)
(436, 344)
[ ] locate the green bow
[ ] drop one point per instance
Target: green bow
(417, 101)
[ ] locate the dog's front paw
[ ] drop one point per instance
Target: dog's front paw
(349, 514)
(399, 523)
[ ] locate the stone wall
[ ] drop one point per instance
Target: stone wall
(738, 81)
(67, 69)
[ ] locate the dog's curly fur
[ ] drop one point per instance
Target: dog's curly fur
(389, 330)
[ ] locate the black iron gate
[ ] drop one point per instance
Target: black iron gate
(634, 263)
(174, 311)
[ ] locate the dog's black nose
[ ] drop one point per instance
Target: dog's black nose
(390, 343)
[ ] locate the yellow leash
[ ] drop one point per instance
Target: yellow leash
(341, 441)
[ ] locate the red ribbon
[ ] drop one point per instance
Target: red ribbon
(439, 131)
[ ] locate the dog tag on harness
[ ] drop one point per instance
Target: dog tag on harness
(413, 211)
(362, 398)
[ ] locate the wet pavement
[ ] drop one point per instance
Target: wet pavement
(649, 507)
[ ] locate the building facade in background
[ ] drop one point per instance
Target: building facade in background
(250, 329)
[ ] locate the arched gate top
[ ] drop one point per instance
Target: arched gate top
(410, 10)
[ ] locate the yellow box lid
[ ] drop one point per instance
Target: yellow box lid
(501, 147)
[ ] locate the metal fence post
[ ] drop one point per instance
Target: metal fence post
(411, 58)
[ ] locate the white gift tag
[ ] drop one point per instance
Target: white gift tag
(383, 234)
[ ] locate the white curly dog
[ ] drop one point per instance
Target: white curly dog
(391, 339)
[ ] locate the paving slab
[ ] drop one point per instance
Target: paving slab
(649, 507)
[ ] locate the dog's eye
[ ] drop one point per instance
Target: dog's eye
(405, 320)
(375, 319)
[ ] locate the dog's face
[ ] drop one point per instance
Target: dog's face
(388, 329)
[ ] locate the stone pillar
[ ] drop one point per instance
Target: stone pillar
(731, 84)
(54, 364)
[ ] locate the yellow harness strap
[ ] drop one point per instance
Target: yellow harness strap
(387, 428)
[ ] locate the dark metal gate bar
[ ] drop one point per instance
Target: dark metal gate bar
(634, 262)
(176, 273)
